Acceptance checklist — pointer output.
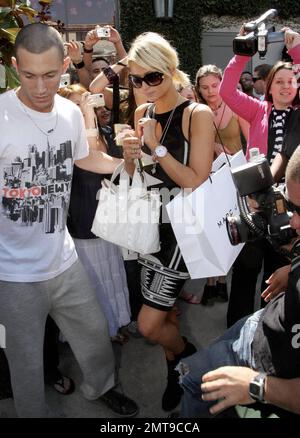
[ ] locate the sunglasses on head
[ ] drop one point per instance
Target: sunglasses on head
(290, 205)
(153, 79)
(256, 79)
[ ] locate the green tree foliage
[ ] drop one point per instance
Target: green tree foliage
(13, 15)
(250, 8)
(183, 32)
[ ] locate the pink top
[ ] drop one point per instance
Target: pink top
(256, 112)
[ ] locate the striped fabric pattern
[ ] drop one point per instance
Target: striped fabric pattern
(278, 119)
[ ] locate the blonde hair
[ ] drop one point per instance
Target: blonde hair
(153, 52)
(71, 89)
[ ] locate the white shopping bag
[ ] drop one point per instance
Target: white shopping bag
(198, 219)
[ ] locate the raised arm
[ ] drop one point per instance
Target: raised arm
(74, 51)
(100, 83)
(97, 161)
(292, 42)
(243, 105)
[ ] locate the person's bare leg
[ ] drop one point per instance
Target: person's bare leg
(160, 326)
(163, 328)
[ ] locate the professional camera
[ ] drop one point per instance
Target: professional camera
(258, 36)
(271, 219)
(103, 32)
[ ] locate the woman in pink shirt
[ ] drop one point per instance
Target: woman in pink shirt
(281, 95)
(268, 123)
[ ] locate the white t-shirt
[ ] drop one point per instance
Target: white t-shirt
(35, 183)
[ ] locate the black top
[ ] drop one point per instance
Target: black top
(276, 346)
(292, 135)
(83, 203)
(175, 142)
(84, 199)
(179, 147)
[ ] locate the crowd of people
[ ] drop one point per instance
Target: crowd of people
(70, 281)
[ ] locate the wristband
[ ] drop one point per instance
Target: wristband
(110, 74)
(79, 65)
(92, 132)
(88, 50)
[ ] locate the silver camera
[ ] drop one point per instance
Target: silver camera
(97, 99)
(103, 32)
(65, 80)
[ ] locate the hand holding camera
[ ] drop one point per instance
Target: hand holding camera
(89, 102)
(96, 100)
(102, 32)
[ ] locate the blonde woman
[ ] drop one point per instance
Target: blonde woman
(178, 150)
(228, 125)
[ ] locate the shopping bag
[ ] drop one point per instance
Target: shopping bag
(128, 215)
(198, 219)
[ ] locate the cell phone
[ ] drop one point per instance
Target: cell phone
(65, 80)
(103, 32)
(98, 100)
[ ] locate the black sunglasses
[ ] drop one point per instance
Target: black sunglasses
(290, 205)
(153, 79)
(256, 79)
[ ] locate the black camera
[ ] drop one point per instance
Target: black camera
(258, 36)
(271, 218)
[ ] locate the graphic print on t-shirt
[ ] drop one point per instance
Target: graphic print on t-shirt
(37, 187)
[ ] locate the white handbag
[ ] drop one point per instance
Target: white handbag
(128, 215)
(198, 220)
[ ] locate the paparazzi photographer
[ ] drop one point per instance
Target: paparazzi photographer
(269, 122)
(258, 359)
(281, 94)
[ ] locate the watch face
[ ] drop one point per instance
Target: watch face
(255, 389)
(161, 151)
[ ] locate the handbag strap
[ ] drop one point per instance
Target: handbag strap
(137, 181)
(190, 121)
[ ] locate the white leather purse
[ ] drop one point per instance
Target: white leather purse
(128, 215)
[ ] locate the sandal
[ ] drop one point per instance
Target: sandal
(64, 386)
(189, 297)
